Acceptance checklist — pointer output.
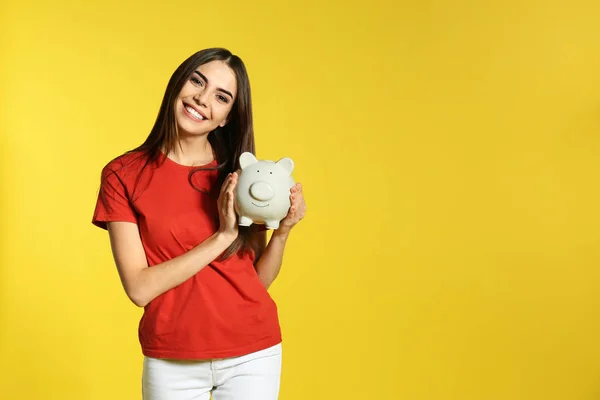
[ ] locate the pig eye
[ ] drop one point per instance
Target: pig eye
(271, 172)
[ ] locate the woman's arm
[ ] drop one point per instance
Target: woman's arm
(142, 283)
(269, 262)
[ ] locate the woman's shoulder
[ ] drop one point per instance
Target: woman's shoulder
(131, 161)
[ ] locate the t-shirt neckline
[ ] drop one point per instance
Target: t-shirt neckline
(187, 167)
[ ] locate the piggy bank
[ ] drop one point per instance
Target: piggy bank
(263, 191)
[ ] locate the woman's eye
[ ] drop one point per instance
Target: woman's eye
(197, 81)
(222, 98)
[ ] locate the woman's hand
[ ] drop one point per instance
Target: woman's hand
(228, 224)
(295, 213)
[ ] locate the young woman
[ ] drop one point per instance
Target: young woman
(209, 324)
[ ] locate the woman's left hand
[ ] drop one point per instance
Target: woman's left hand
(296, 211)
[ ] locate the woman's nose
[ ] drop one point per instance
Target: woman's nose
(201, 97)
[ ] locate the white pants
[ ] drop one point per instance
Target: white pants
(255, 376)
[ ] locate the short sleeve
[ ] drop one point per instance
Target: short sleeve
(113, 203)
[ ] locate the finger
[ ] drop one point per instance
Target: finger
(234, 180)
(302, 209)
(230, 203)
(231, 183)
(298, 207)
(230, 196)
(222, 200)
(297, 198)
(230, 188)
(225, 184)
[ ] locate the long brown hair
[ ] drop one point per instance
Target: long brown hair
(228, 142)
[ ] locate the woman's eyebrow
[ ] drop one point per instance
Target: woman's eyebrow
(219, 89)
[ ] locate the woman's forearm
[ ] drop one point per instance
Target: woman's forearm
(154, 281)
(269, 263)
(143, 283)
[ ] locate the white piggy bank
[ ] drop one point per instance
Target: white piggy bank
(263, 190)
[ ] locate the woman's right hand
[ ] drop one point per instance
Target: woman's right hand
(228, 224)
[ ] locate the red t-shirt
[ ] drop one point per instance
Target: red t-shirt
(222, 311)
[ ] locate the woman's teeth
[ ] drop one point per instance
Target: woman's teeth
(194, 112)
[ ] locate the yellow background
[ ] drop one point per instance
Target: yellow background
(449, 152)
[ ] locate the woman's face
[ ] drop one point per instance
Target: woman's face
(206, 99)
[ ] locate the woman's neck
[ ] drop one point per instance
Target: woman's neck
(192, 150)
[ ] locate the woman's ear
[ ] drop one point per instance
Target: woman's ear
(223, 123)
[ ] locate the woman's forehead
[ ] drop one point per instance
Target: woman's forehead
(219, 74)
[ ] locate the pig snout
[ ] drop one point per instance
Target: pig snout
(261, 191)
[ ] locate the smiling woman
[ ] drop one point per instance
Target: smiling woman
(205, 102)
(202, 279)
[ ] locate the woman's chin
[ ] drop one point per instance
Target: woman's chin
(186, 130)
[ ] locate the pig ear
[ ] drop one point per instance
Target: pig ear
(287, 164)
(246, 159)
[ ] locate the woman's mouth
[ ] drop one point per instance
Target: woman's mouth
(193, 114)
